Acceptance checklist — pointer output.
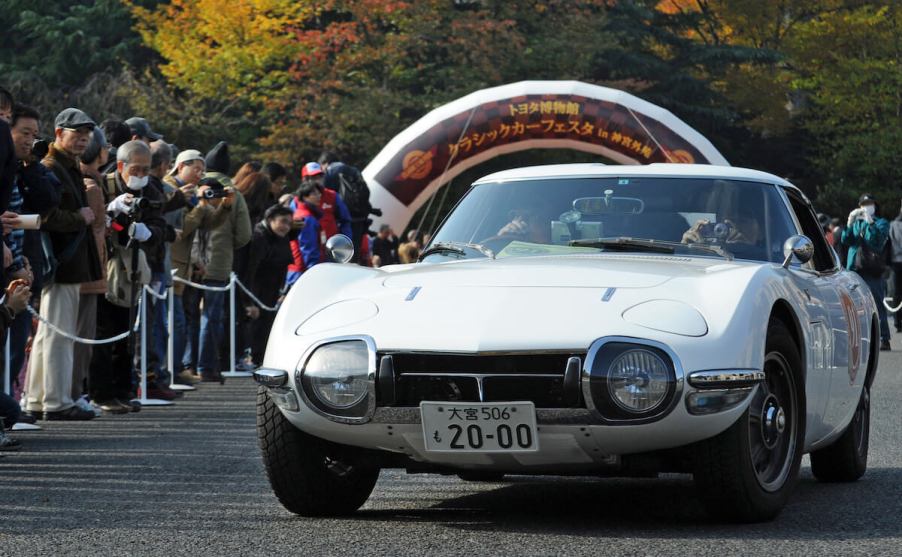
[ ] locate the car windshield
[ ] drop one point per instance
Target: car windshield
(692, 216)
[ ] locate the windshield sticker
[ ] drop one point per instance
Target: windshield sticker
(623, 182)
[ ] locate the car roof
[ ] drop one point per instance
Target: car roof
(662, 170)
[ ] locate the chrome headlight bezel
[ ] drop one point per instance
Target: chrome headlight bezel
(360, 411)
(596, 381)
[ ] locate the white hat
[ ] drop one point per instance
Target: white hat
(186, 156)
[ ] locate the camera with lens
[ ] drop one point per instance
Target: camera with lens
(719, 230)
(142, 204)
(215, 194)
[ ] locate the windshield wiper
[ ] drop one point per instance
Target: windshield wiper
(623, 243)
(458, 248)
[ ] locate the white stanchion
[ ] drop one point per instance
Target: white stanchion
(170, 342)
(232, 321)
(144, 400)
(7, 376)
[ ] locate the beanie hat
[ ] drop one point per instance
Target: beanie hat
(217, 160)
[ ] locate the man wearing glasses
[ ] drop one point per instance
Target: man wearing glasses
(50, 368)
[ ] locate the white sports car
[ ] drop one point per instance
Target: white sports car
(583, 320)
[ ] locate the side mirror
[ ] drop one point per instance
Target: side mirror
(340, 248)
(798, 246)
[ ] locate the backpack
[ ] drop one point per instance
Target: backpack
(118, 275)
(867, 261)
(353, 190)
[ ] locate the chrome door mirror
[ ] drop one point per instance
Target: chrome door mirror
(340, 248)
(798, 246)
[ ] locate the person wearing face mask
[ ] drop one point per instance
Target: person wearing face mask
(865, 237)
(49, 385)
(110, 373)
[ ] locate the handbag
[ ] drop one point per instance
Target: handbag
(118, 275)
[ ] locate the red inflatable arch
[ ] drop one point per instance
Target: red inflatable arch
(525, 115)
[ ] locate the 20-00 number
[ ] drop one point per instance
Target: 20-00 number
(521, 435)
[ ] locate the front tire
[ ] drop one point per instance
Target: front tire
(747, 473)
(846, 459)
(309, 476)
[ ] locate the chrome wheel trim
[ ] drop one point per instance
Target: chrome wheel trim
(774, 424)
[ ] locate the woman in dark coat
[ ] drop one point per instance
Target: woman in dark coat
(269, 255)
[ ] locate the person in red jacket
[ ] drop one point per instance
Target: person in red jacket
(307, 246)
(336, 218)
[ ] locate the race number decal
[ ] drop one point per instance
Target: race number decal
(854, 329)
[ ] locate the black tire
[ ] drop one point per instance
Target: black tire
(846, 459)
(309, 476)
(477, 476)
(748, 472)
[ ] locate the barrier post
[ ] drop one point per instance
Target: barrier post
(233, 319)
(7, 377)
(170, 341)
(144, 400)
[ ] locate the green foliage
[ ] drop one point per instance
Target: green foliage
(62, 43)
(849, 69)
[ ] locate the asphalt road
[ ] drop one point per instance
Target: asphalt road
(188, 480)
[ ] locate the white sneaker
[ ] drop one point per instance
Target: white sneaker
(86, 405)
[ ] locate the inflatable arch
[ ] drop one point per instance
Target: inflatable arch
(519, 116)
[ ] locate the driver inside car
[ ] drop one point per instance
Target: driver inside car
(733, 230)
(525, 225)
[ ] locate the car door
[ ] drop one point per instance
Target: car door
(833, 333)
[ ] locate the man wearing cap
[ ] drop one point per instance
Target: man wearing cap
(141, 131)
(185, 175)
(866, 236)
(50, 367)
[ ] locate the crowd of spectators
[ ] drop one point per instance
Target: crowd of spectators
(98, 211)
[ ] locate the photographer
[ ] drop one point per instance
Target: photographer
(866, 235)
(135, 213)
(216, 246)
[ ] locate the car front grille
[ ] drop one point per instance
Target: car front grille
(547, 380)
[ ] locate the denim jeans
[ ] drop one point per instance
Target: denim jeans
(878, 290)
(190, 307)
(179, 330)
(158, 336)
(212, 328)
(9, 408)
(19, 331)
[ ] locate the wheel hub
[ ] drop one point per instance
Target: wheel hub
(774, 422)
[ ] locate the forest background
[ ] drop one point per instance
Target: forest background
(806, 89)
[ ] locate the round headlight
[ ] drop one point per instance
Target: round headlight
(337, 373)
(638, 380)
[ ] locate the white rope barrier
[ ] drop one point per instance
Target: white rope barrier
(153, 293)
(889, 308)
(255, 299)
(202, 286)
(74, 338)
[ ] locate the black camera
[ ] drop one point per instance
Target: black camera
(719, 230)
(142, 204)
(40, 148)
(215, 194)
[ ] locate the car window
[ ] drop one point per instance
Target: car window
(823, 259)
(748, 220)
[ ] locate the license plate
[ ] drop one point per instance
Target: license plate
(479, 427)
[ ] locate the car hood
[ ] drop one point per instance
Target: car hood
(561, 302)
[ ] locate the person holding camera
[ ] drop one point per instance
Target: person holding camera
(136, 220)
(216, 247)
(49, 385)
(865, 236)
